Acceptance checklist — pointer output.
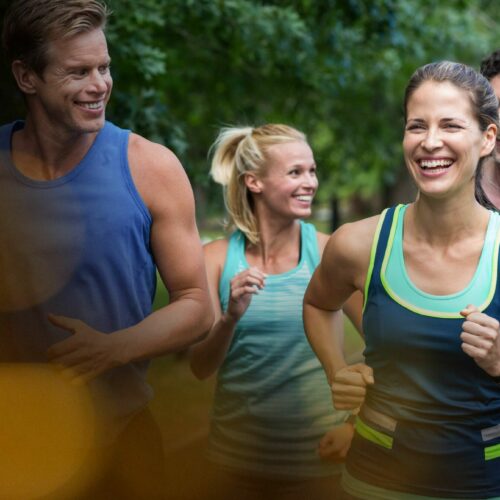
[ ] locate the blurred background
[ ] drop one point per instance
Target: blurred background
(335, 69)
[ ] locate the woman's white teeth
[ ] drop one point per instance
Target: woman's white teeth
(304, 198)
(435, 163)
(91, 105)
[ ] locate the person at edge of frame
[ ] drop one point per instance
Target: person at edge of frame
(89, 211)
(488, 177)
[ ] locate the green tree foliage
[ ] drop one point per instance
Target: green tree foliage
(333, 68)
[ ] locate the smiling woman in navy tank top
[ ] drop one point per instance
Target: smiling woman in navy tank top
(272, 403)
(429, 422)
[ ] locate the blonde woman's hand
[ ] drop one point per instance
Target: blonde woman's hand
(481, 339)
(335, 444)
(242, 287)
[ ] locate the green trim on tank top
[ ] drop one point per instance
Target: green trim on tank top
(373, 435)
(491, 452)
(400, 288)
(372, 254)
(366, 491)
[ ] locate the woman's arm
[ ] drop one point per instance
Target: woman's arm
(354, 305)
(341, 273)
(207, 356)
(353, 308)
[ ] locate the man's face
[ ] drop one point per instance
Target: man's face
(76, 85)
(495, 83)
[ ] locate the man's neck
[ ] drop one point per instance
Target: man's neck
(40, 155)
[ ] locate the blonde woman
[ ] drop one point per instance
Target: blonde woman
(272, 403)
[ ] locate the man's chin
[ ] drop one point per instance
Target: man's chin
(92, 128)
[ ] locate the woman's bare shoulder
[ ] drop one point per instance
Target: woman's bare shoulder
(350, 244)
(215, 252)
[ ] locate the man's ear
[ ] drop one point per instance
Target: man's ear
(253, 184)
(25, 77)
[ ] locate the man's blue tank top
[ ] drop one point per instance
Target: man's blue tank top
(77, 246)
(430, 425)
(272, 401)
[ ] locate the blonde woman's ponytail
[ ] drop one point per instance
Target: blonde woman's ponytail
(238, 151)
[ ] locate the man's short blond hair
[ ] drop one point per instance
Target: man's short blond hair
(30, 25)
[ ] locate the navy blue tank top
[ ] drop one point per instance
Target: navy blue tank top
(431, 421)
(77, 246)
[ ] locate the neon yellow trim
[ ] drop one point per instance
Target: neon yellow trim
(492, 452)
(390, 240)
(427, 312)
(372, 435)
(372, 255)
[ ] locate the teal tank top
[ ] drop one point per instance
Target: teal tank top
(272, 401)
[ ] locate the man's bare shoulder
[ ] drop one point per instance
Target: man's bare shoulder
(154, 158)
(156, 171)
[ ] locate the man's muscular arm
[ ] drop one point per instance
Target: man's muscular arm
(164, 187)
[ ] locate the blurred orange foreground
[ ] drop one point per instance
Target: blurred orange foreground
(47, 432)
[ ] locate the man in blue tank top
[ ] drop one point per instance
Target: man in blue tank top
(88, 212)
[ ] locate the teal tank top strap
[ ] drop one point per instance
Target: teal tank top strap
(235, 258)
(309, 245)
(233, 264)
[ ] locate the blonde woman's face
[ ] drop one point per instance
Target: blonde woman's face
(289, 183)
